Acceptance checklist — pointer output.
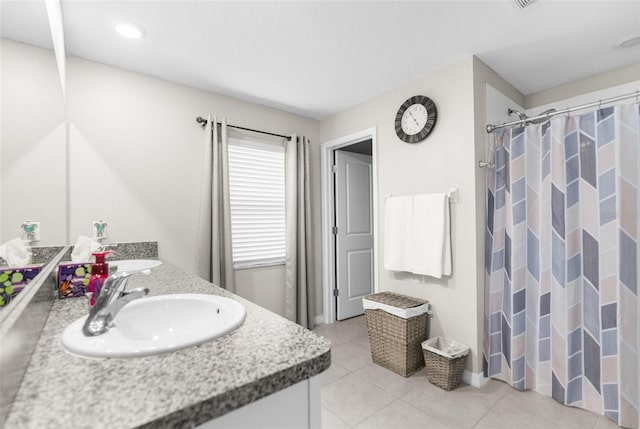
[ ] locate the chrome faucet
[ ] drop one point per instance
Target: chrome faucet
(110, 301)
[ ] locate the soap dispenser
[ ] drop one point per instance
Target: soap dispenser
(99, 273)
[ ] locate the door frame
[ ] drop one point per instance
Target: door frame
(328, 198)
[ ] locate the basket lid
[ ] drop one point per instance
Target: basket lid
(396, 300)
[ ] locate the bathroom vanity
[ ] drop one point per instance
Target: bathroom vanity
(263, 374)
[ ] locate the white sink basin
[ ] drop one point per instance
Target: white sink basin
(158, 324)
(135, 265)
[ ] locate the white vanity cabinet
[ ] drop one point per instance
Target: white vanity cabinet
(296, 407)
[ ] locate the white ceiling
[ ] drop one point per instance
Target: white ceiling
(318, 58)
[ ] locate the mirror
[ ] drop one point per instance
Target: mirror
(33, 143)
(33, 178)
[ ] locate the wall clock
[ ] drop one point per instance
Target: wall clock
(415, 119)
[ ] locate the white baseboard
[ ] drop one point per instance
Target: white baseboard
(475, 379)
(319, 319)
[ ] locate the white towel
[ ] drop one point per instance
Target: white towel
(431, 244)
(398, 233)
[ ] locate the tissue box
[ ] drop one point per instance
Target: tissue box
(14, 280)
(73, 279)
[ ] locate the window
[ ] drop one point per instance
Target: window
(257, 197)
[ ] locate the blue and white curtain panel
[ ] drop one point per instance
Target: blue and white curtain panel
(561, 296)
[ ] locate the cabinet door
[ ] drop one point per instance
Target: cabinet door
(291, 408)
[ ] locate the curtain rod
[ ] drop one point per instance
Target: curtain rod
(549, 115)
(203, 122)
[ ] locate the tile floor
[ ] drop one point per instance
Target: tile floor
(356, 393)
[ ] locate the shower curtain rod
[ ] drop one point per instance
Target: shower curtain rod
(492, 128)
(203, 122)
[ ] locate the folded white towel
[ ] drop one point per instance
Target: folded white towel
(398, 233)
(431, 244)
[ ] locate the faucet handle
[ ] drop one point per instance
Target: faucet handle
(134, 294)
(104, 247)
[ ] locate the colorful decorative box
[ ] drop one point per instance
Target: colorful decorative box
(14, 280)
(73, 279)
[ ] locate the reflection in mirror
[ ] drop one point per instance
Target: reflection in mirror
(17, 278)
(20, 326)
(33, 133)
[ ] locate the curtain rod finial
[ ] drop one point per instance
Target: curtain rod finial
(201, 121)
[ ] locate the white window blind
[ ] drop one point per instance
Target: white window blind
(257, 197)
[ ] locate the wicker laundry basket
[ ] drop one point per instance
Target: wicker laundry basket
(445, 360)
(397, 326)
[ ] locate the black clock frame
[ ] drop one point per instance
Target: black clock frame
(432, 113)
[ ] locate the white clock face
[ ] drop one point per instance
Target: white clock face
(414, 119)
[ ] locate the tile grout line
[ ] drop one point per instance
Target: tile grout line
(348, 372)
(428, 414)
(339, 378)
(491, 408)
(363, 378)
(377, 411)
(336, 416)
(388, 405)
(595, 424)
(422, 411)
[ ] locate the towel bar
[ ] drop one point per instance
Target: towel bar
(452, 195)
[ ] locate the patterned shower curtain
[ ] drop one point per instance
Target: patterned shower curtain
(561, 296)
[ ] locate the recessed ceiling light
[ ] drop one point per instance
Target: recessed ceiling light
(628, 41)
(130, 31)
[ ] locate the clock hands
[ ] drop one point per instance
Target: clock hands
(414, 119)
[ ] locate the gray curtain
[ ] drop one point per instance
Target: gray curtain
(299, 287)
(214, 259)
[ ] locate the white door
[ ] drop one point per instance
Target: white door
(354, 236)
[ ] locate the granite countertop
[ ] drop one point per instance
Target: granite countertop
(267, 353)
